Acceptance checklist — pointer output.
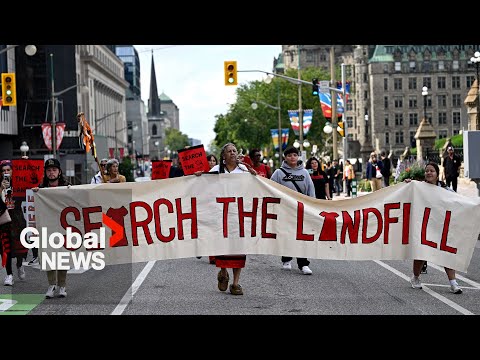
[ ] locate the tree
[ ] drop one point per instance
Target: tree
(126, 168)
(175, 139)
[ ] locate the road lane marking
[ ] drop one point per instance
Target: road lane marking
(459, 277)
(133, 289)
(425, 288)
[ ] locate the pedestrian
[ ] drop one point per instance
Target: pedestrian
(432, 173)
(337, 177)
(330, 171)
(348, 176)
(261, 169)
(229, 163)
(319, 178)
(373, 172)
(97, 178)
(53, 177)
(112, 174)
(10, 245)
(387, 168)
(451, 166)
(293, 175)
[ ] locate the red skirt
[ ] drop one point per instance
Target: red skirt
(230, 261)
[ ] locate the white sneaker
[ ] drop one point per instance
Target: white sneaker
(8, 280)
(287, 265)
(61, 292)
(21, 272)
(51, 291)
(306, 270)
(455, 289)
(415, 281)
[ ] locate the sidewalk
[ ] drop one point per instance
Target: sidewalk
(466, 187)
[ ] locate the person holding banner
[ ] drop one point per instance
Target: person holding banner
(229, 163)
(53, 177)
(293, 175)
(432, 174)
(10, 244)
(97, 179)
(261, 169)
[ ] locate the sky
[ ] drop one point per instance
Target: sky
(193, 77)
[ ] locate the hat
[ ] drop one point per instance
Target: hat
(450, 148)
(290, 150)
(52, 163)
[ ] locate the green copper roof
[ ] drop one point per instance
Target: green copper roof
(164, 97)
(385, 53)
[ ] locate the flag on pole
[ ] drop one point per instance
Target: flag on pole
(293, 115)
(274, 133)
(307, 120)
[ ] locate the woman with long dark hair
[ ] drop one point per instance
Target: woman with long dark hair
(319, 178)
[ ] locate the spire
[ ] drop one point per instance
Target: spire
(153, 102)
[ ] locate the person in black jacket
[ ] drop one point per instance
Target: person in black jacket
(386, 170)
(451, 165)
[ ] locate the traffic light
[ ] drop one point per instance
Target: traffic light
(230, 68)
(315, 87)
(9, 94)
(340, 128)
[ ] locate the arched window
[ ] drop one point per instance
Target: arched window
(154, 130)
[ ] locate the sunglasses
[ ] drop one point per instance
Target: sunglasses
(103, 165)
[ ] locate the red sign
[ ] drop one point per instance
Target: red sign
(26, 174)
(193, 159)
(161, 169)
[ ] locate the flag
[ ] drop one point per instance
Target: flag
(274, 133)
(47, 134)
(307, 120)
(293, 115)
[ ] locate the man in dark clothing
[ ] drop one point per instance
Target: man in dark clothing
(451, 165)
(387, 165)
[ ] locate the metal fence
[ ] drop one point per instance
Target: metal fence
(434, 155)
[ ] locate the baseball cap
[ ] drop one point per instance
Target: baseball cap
(449, 148)
(52, 163)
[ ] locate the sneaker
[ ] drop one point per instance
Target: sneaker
(61, 292)
(8, 280)
(306, 270)
(455, 289)
(34, 261)
(424, 268)
(287, 265)
(21, 273)
(199, 257)
(415, 281)
(51, 291)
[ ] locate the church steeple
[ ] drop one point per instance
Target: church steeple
(154, 109)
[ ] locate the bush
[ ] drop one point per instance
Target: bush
(126, 169)
(414, 172)
(364, 185)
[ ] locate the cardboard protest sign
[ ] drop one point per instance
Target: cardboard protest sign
(161, 169)
(26, 175)
(193, 159)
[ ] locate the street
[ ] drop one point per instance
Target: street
(189, 287)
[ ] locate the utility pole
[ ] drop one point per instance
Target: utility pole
(300, 110)
(54, 126)
(334, 103)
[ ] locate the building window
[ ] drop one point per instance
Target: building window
(310, 56)
(455, 82)
(412, 83)
(427, 82)
(429, 101)
(455, 65)
(349, 104)
(442, 100)
(413, 142)
(427, 66)
(385, 84)
(413, 119)
(412, 66)
(470, 80)
(456, 118)
(365, 95)
(442, 134)
(456, 101)
(441, 82)
(398, 119)
(441, 65)
(386, 119)
(385, 68)
(412, 102)
(456, 132)
(398, 66)
(387, 138)
(385, 102)
(398, 103)
(397, 84)
(154, 130)
(350, 137)
(442, 118)
(399, 137)
(365, 77)
(323, 56)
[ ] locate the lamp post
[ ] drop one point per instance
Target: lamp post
(30, 50)
(24, 148)
(255, 107)
(424, 94)
(476, 62)
(300, 110)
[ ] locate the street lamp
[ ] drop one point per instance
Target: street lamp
(476, 62)
(424, 94)
(30, 50)
(157, 144)
(24, 148)
(255, 107)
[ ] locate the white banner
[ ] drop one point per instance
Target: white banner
(238, 214)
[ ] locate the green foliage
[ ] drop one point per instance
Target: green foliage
(456, 140)
(414, 172)
(248, 128)
(364, 185)
(175, 139)
(126, 168)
